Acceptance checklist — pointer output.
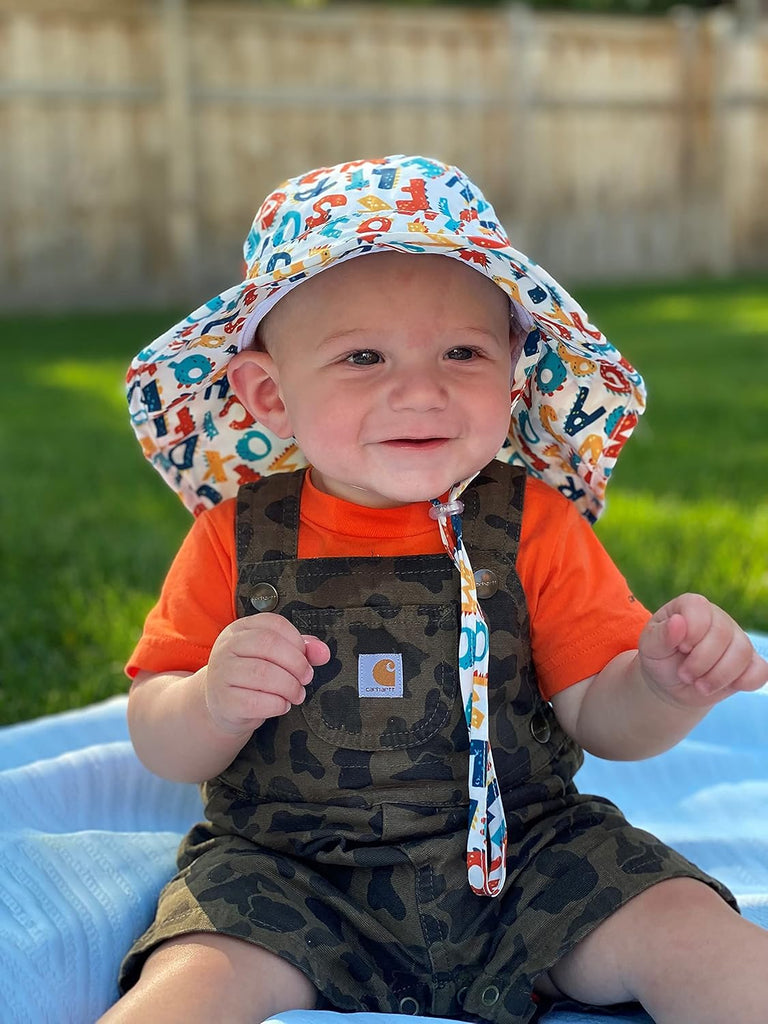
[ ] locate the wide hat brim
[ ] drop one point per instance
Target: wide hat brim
(574, 400)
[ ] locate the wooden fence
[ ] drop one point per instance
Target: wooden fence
(139, 137)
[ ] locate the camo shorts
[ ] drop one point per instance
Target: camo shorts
(394, 927)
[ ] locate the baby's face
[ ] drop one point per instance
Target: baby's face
(395, 374)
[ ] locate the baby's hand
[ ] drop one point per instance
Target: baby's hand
(695, 655)
(258, 669)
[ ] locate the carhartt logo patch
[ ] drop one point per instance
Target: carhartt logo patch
(380, 675)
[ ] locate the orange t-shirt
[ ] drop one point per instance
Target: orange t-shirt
(581, 610)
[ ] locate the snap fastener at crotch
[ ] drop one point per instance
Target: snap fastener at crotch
(490, 995)
(264, 597)
(409, 1006)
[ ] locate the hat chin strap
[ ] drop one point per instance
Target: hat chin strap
(487, 838)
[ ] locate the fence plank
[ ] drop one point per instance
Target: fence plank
(140, 134)
(182, 222)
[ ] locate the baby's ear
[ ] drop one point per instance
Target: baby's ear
(256, 382)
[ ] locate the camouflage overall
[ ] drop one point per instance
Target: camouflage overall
(336, 838)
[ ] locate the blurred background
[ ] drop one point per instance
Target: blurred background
(624, 144)
(617, 138)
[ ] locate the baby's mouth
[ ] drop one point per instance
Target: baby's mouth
(417, 443)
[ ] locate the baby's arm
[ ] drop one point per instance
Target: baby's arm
(189, 726)
(690, 656)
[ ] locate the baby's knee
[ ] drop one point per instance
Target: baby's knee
(642, 939)
(683, 903)
(661, 916)
(203, 977)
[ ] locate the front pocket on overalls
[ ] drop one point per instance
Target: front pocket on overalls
(392, 681)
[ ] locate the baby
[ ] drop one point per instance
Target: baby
(383, 668)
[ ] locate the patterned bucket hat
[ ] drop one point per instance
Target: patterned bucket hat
(574, 400)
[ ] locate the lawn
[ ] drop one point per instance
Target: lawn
(88, 528)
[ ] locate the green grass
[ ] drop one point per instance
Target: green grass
(688, 505)
(87, 529)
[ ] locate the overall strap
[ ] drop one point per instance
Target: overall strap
(493, 510)
(267, 518)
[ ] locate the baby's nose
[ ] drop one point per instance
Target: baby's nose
(419, 390)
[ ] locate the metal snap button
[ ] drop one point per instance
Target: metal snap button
(486, 583)
(409, 1005)
(540, 729)
(490, 996)
(264, 597)
(461, 995)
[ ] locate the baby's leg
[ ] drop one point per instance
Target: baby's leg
(680, 951)
(208, 978)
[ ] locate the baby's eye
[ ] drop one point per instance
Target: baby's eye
(365, 357)
(460, 353)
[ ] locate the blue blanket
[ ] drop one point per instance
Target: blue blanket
(89, 837)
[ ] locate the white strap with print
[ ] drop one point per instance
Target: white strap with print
(487, 839)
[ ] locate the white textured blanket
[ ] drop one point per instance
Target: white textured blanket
(89, 837)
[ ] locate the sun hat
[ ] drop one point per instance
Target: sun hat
(574, 400)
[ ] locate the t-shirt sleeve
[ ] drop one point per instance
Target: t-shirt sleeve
(196, 601)
(582, 610)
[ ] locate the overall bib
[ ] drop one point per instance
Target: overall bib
(337, 837)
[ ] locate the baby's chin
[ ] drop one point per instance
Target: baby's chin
(389, 498)
(390, 487)
(429, 487)
(385, 496)
(397, 494)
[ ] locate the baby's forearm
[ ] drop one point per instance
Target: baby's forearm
(621, 716)
(172, 731)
